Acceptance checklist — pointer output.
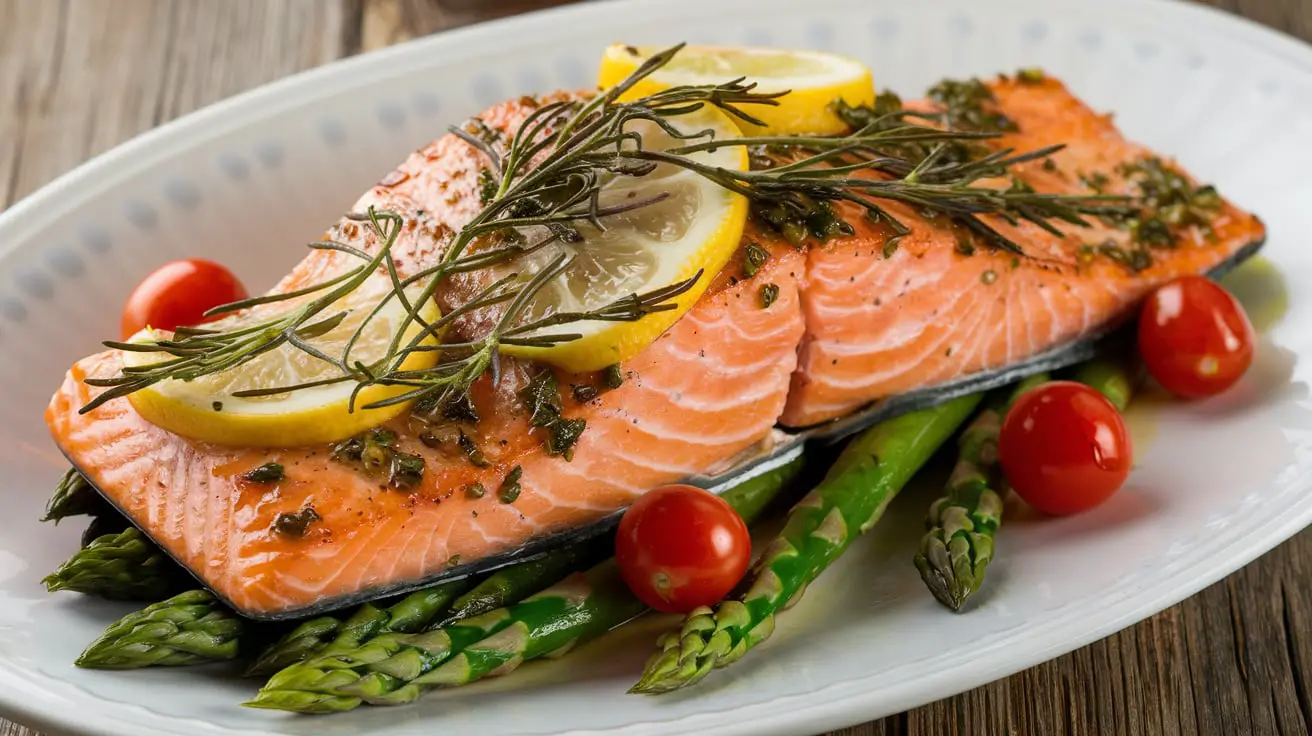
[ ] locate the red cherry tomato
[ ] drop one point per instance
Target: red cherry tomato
(1064, 448)
(1195, 337)
(178, 294)
(681, 547)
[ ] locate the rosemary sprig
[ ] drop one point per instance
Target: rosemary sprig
(546, 183)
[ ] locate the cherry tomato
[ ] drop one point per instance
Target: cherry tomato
(1195, 337)
(178, 294)
(1064, 448)
(681, 547)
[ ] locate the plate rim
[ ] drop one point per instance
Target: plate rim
(832, 706)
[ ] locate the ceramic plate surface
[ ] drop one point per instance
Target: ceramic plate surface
(248, 180)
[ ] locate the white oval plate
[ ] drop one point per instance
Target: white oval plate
(247, 180)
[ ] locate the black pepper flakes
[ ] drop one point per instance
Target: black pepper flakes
(217, 406)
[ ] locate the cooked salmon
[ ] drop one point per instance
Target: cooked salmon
(855, 320)
(929, 313)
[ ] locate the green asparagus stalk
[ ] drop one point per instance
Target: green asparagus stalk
(74, 496)
(958, 544)
(296, 645)
(1113, 377)
(397, 669)
(189, 628)
(514, 584)
(122, 566)
(850, 500)
(327, 637)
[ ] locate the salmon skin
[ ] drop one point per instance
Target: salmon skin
(862, 329)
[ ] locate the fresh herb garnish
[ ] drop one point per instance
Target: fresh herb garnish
(295, 524)
(612, 376)
(266, 473)
(548, 177)
(1032, 75)
(542, 399)
(375, 453)
(475, 455)
(509, 490)
(754, 257)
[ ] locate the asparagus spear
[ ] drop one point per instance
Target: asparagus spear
(958, 545)
(396, 669)
(189, 628)
(122, 566)
(327, 637)
(1115, 378)
(853, 495)
(74, 496)
(514, 584)
(295, 646)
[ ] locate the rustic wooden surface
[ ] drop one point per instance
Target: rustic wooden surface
(80, 76)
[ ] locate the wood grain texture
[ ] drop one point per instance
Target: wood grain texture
(79, 76)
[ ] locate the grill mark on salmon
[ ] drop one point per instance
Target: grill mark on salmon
(849, 326)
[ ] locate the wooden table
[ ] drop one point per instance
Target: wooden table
(80, 76)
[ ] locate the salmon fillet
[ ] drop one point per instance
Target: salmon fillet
(928, 314)
(854, 321)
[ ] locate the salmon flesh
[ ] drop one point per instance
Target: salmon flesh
(861, 328)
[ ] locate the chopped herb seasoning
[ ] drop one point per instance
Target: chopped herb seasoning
(475, 455)
(509, 490)
(754, 258)
(612, 376)
(890, 247)
(969, 105)
(407, 471)
(542, 398)
(475, 490)
(266, 473)
(988, 277)
(1097, 181)
(1015, 261)
(1030, 76)
(375, 454)
(564, 435)
(964, 246)
(295, 525)
(769, 293)
(818, 221)
(487, 186)
(453, 561)
(583, 393)
(1049, 164)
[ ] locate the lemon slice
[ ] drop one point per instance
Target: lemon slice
(814, 81)
(205, 409)
(695, 227)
